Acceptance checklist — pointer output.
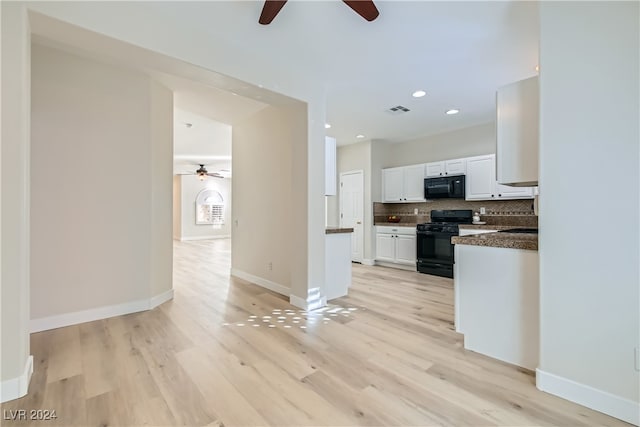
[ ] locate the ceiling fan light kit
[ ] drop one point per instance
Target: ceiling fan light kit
(202, 173)
(365, 8)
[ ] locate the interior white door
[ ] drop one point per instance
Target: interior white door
(352, 210)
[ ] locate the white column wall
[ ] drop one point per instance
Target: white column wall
(14, 166)
(589, 204)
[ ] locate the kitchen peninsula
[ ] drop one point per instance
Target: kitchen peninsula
(337, 261)
(496, 295)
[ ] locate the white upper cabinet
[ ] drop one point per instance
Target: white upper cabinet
(481, 182)
(510, 192)
(392, 184)
(446, 167)
(517, 124)
(403, 184)
(330, 172)
(435, 169)
(456, 167)
(414, 183)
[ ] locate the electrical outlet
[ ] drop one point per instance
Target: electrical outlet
(483, 211)
(415, 211)
(637, 358)
(270, 266)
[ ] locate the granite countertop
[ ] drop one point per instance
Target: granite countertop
(337, 230)
(489, 227)
(499, 240)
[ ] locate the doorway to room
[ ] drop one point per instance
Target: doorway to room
(352, 210)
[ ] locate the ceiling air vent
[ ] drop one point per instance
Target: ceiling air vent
(398, 109)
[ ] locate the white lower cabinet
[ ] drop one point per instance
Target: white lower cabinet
(385, 247)
(396, 245)
(406, 249)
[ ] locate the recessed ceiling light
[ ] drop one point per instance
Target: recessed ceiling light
(452, 111)
(327, 126)
(418, 94)
(360, 136)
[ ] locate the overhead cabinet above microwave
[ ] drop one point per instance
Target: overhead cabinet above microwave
(446, 167)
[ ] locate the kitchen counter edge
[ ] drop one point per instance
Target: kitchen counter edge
(337, 230)
(499, 240)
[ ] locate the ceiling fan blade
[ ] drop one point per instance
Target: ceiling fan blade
(270, 10)
(215, 175)
(364, 8)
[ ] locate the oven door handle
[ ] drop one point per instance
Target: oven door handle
(435, 233)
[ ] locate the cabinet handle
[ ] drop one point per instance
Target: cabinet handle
(493, 195)
(499, 195)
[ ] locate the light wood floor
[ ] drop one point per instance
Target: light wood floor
(225, 352)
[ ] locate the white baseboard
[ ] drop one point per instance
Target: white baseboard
(98, 313)
(272, 286)
(398, 266)
(160, 299)
(219, 236)
(366, 261)
(593, 398)
(312, 303)
(17, 387)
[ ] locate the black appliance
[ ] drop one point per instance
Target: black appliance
(435, 251)
(446, 187)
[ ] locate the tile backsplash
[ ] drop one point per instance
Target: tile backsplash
(498, 212)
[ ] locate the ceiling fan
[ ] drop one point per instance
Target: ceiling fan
(203, 173)
(364, 8)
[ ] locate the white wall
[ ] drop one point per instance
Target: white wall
(95, 26)
(14, 251)
(101, 170)
(467, 142)
(161, 152)
(351, 158)
(262, 194)
(589, 140)
(190, 187)
(177, 207)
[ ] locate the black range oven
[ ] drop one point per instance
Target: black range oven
(434, 248)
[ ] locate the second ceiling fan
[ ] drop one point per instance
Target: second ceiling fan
(364, 8)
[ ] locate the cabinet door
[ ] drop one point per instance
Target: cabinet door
(414, 183)
(406, 249)
(481, 178)
(435, 169)
(385, 247)
(392, 184)
(508, 192)
(455, 167)
(517, 123)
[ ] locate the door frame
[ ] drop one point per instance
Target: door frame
(342, 174)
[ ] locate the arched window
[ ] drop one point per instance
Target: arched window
(209, 207)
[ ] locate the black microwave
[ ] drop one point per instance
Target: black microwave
(447, 187)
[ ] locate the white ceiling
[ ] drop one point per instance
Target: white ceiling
(199, 140)
(459, 52)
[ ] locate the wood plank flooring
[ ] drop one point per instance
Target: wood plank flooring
(226, 352)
